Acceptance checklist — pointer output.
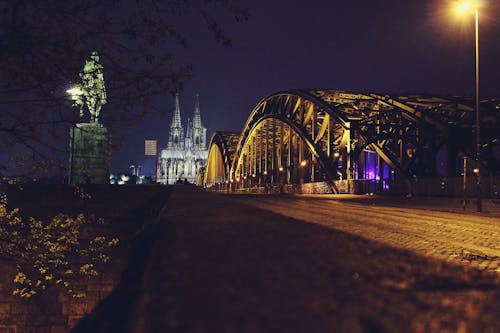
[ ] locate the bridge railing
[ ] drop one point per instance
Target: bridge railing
(439, 186)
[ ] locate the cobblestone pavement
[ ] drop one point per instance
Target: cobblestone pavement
(466, 238)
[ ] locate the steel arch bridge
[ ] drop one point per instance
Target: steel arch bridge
(220, 157)
(298, 136)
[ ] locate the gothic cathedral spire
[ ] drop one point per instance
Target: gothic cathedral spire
(196, 113)
(176, 137)
(176, 117)
(199, 132)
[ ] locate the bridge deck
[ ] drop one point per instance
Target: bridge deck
(220, 263)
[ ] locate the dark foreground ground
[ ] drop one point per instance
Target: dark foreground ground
(212, 263)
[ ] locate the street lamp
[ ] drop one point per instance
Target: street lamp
(463, 8)
(280, 180)
(74, 92)
(302, 167)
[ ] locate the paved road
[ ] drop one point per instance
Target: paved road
(453, 236)
(215, 263)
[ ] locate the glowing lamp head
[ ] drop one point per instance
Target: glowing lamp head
(74, 92)
(265, 172)
(303, 163)
(253, 175)
(466, 6)
(476, 170)
(281, 169)
(336, 154)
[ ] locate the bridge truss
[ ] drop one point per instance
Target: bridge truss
(298, 136)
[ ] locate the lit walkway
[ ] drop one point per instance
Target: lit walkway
(430, 226)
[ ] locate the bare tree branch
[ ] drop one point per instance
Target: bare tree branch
(44, 44)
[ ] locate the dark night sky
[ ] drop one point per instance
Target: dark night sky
(363, 46)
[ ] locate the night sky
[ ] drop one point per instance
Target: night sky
(363, 46)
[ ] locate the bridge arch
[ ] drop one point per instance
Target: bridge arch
(220, 155)
(288, 138)
(302, 135)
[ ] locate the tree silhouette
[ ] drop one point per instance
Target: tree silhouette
(45, 43)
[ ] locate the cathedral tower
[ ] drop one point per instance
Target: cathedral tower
(176, 137)
(199, 132)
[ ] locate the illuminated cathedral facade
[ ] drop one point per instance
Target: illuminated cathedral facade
(186, 151)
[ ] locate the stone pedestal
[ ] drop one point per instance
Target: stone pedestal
(89, 154)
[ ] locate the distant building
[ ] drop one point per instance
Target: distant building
(186, 152)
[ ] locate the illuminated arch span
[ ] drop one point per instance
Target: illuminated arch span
(331, 129)
(221, 152)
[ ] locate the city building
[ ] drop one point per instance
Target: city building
(186, 151)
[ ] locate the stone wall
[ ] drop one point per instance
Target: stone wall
(53, 311)
(125, 208)
(89, 154)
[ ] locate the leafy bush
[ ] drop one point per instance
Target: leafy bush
(52, 252)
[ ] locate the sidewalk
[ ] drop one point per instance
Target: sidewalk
(491, 207)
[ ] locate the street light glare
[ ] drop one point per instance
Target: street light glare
(464, 7)
(74, 92)
(467, 6)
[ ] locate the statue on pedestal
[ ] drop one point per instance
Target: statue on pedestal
(91, 92)
(89, 142)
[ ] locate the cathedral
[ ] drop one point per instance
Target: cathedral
(186, 152)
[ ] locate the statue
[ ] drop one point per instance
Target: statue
(91, 92)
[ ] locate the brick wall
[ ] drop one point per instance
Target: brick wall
(53, 311)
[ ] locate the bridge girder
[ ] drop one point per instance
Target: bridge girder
(221, 152)
(334, 128)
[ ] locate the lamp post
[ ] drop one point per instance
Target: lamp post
(464, 201)
(280, 180)
(464, 8)
(302, 167)
(74, 93)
